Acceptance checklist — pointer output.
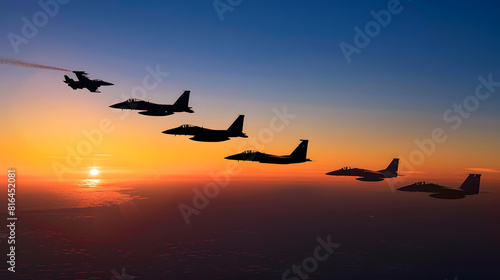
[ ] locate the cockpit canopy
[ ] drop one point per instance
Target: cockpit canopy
(420, 183)
(346, 168)
(249, 152)
(186, 126)
(133, 100)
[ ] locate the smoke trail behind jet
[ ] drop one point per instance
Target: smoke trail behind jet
(17, 62)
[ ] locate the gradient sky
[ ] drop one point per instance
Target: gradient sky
(262, 56)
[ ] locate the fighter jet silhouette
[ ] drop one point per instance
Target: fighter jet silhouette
(85, 82)
(469, 187)
(368, 175)
(298, 155)
(210, 135)
(152, 109)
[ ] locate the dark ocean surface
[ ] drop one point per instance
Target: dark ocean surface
(252, 230)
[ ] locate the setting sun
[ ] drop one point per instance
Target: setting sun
(94, 172)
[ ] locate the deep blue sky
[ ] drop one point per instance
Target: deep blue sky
(431, 48)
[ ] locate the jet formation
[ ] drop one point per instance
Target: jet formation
(469, 187)
(297, 156)
(210, 135)
(85, 82)
(369, 175)
(153, 109)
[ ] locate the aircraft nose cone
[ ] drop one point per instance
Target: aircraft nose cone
(117, 105)
(336, 172)
(405, 188)
(169, 131)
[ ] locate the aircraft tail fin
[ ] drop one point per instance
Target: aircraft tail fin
(237, 126)
(471, 184)
(393, 166)
(301, 151)
(183, 100)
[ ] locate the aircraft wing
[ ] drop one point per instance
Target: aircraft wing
(369, 175)
(256, 156)
(208, 135)
(156, 113)
(81, 75)
(277, 157)
(448, 190)
(92, 88)
(448, 193)
(269, 155)
(267, 158)
(208, 131)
